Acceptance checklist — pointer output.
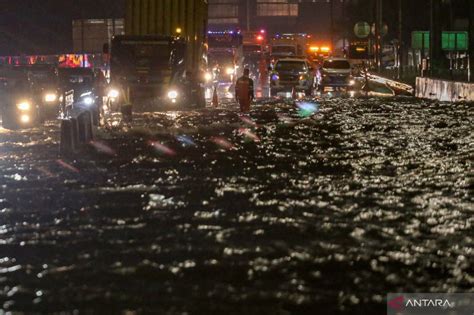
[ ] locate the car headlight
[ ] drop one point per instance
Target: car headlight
(172, 95)
(25, 119)
(113, 93)
(229, 71)
(207, 77)
(24, 106)
(88, 100)
(50, 97)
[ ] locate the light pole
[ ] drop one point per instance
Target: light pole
(400, 39)
(248, 15)
(331, 8)
(378, 33)
(435, 35)
(471, 41)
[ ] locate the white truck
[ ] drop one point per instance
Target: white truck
(289, 45)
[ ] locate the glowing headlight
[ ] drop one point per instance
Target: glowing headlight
(302, 78)
(25, 119)
(50, 97)
(352, 82)
(24, 106)
(229, 71)
(207, 76)
(113, 93)
(88, 100)
(172, 95)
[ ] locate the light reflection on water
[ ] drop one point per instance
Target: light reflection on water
(336, 207)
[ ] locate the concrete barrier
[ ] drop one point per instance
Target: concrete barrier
(76, 132)
(445, 91)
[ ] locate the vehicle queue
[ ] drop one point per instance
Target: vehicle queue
(288, 63)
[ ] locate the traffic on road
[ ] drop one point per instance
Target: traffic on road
(190, 168)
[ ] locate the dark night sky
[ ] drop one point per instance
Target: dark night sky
(45, 26)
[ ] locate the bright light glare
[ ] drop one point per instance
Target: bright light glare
(88, 100)
(113, 93)
(352, 82)
(207, 76)
(325, 49)
(172, 95)
(24, 106)
(229, 71)
(25, 119)
(50, 97)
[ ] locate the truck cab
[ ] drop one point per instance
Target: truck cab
(145, 67)
(45, 82)
(19, 104)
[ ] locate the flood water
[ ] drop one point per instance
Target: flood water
(319, 209)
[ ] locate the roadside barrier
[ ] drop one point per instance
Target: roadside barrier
(445, 91)
(77, 126)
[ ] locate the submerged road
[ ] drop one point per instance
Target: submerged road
(321, 209)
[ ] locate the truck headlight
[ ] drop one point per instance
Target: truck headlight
(50, 97)
(229, 71)
(25, 119)
(172, 95)
(88, 100)
(113, 93)
(207, 77)
(24, 106)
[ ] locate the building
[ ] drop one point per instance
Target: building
(309, 16)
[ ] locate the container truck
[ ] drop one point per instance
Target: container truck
(226, 58)
(162, 51)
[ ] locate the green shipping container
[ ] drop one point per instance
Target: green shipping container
(186, 18)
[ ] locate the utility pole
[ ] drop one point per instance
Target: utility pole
(400, 39)
(248, 15)
(435, 36)
(344, 25)
(378, 33)
(471, 40)
(332, 23)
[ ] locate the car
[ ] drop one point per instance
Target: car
(291, 73)
(335, 73)
(19, 105)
